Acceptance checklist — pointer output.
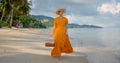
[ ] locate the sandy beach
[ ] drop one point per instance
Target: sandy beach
(27, 46)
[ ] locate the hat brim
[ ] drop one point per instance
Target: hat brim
(61, 9)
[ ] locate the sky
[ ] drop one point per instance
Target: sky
(104, 13)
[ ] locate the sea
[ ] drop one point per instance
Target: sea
(100, 45)
(101, 37)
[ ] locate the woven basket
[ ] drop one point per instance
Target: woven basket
(48, 44)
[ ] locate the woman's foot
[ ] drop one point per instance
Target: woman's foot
(59, 57)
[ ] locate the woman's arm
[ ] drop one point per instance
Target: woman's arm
(66, 28)
(66, 25)
(53, 29)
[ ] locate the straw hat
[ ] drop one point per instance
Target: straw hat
(61, 9)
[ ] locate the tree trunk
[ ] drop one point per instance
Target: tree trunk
(8, 18)
(11, 19)
(3, 14)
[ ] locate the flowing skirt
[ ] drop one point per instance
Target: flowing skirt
(62, 43)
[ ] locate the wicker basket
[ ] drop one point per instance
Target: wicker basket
(48, 44)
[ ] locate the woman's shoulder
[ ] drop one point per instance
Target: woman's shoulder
(55, 18)
(58, 17)
(65, 18)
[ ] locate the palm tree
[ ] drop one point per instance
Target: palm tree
(14, 8)
(5, 6)
(25, 8)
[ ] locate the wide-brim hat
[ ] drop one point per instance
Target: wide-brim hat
(61, 9)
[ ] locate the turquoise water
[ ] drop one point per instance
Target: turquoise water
(95, 37)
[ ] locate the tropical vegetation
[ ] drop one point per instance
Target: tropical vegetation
(17, 13)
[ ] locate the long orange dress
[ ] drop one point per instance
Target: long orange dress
(61, 39)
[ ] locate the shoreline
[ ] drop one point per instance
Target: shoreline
(26, 45)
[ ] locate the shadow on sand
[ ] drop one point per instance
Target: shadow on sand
(37, 58)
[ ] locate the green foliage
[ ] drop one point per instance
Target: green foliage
(10, 9)
(31, 22)
(16, 13)
(48, 24)
(4, 24)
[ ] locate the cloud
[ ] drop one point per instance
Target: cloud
(113, 8)
(105, 21)
(91, 20)
(83, 1)
(51, 6)
(80, 11)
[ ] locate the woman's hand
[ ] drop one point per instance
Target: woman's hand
(51, 34)
(66, 29)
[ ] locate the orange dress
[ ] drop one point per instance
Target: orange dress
(61, 39)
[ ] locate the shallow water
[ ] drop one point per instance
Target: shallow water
(95, 36)
(101, 45)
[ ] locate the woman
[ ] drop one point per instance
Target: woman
(61, 38)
